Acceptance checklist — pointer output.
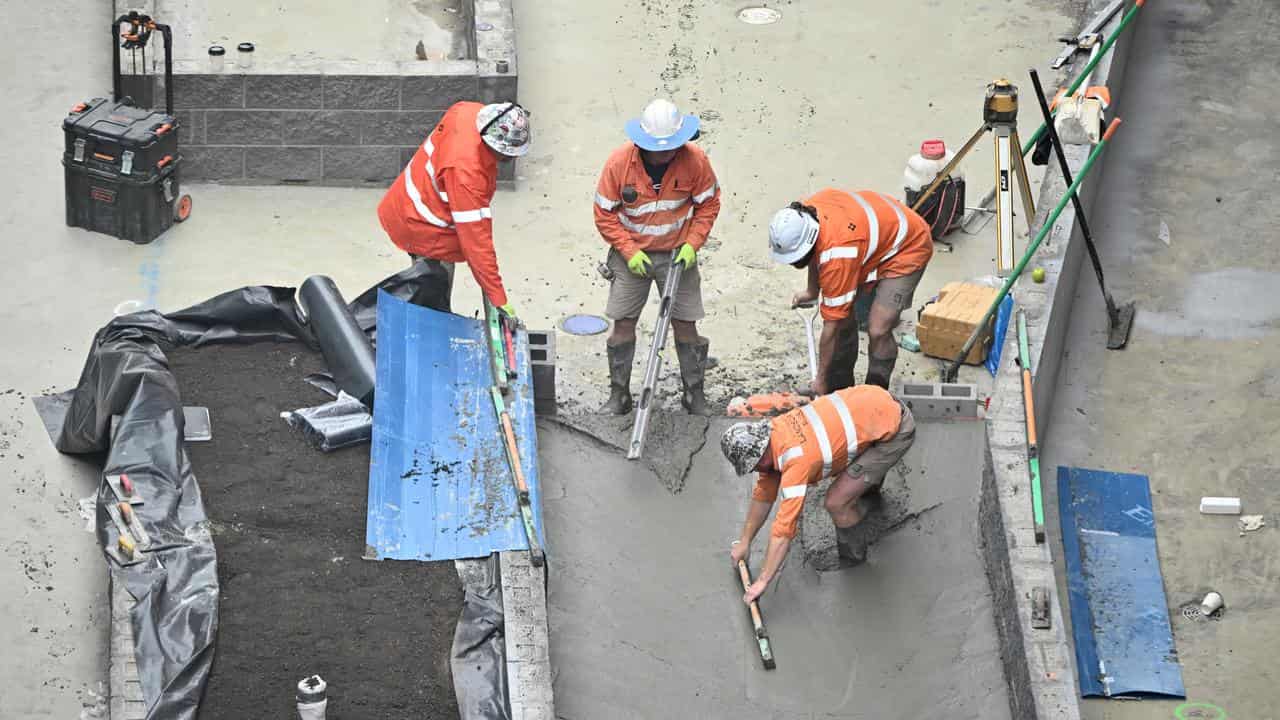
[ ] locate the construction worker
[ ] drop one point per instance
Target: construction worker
(851, 243)
(853, 435)
(438, 209)
(656, 202)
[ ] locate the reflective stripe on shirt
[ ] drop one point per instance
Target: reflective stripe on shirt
(658, 230)
(655, 206)
(873, 226)
(838, 253)
(794, 491)
(819, 432)
(839, 299)
(846, 419)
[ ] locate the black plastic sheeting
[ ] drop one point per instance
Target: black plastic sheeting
(478, 658)
(175, 619)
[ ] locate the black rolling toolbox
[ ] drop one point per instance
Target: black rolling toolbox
(121, 162)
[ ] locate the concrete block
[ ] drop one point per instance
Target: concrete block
(212, 163)
(283, 91)
(436, 92)
(498, 88)
(933, 401)
(362, 164)
(208, 91)
(190, 128)
(286, 164)
(397, 128)
(322, 127)
(542, 361)
(406, 154)
(243, 127)
(361, 92)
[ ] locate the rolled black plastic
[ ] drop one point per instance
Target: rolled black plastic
(345, 347)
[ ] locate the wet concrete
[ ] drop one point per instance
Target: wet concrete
(1191, 402)
(671, 440)
(646, 613)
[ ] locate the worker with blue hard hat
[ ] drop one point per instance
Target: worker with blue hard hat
(655, 204)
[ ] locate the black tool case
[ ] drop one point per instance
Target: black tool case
(122, 164)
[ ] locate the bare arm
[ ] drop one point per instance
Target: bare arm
(826, 352)
(756, 515)
(778, 547)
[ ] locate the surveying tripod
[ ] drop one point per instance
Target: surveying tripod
(1000, 116)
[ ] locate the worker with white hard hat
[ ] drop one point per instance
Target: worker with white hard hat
(656, 203)
(853, 243)
(853, 436)
(438, 209)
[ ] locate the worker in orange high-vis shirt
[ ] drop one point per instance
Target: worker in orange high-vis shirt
(438, 209)
(855, 436)
(852, 243)
(656, 202)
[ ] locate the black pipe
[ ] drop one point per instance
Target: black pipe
(346, 349)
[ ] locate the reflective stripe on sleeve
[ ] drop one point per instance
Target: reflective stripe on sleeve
(468, 216)
(788, 456)
(606, 204)
(838, 253)
(790, 492)
(820, 432)
(705, 195)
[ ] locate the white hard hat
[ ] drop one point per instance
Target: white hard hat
(505, 128)
(744, 443)
(792, 234)
(662, 127)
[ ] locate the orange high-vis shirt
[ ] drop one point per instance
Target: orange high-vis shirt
(439, 206)
(863, 237)
(818, 441)
(683, 211)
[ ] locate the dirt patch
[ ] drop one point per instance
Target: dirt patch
(288, 524)
(671, 441)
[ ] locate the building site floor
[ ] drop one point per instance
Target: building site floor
(830, 95)
(1192, 402)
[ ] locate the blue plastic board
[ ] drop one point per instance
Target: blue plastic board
(997, 341)
(1119, 615)
(440, 487)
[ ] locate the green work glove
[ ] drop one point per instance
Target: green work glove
(640, 264)
(509, 309)
(687, 255)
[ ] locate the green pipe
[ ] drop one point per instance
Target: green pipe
(1111, 40)
(950, 373)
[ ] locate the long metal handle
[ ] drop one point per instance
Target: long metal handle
(808, 336)
(654, 366)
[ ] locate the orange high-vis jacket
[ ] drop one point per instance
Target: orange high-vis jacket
(439, 206)
(682, 212)
(819, 441)
(863, 237)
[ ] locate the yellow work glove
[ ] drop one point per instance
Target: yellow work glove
(687, 255)
(640, 264)
(509, 309)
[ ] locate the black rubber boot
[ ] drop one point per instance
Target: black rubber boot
(879, 370)
(693, 363)
(851, 546)
(620, 358)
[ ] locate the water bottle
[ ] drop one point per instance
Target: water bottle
(925, 165)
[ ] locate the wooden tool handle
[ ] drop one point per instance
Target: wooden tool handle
(1029, 402)
(513, 450)
(756, 619)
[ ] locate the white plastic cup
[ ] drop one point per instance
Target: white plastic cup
(217, 57)
(244, 56)
(311, 698)
(1211, 604)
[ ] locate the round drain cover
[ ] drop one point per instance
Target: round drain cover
(759, 15)
(585, 325)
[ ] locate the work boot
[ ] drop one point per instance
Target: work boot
(693, 364)
(851, 546)
(620, 358)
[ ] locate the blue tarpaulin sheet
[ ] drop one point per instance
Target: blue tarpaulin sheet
(440, 487)
(997, 341)
(1119, 615)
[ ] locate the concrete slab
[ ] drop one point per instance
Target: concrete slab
(1191, 402)
(646, 613)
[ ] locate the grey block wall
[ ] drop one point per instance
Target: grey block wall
(524, 606)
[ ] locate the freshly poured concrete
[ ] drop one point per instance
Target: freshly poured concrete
(646, 613)
(1192, 401)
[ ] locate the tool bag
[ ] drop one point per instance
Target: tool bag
(944, 210)
(121, 162)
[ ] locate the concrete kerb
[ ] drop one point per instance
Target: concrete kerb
(1039, 664)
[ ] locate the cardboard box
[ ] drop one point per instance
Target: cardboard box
(945, 325)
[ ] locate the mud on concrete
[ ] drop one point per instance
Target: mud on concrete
(288, 524)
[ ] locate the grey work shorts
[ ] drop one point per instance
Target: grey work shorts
(628, 293)
(876, 461)
(897, 293)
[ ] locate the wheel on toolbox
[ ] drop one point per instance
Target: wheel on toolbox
(182, 209)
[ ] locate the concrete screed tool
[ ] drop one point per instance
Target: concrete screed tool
(757, 620)
(645, 404)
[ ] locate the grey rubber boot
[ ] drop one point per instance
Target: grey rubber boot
(693, 363)
(620, 359)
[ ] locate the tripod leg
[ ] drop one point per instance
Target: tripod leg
(946, 171)
(1024, 184)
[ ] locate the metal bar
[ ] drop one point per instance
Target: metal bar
(654, 366)
(757, 620)
(808, 336)
(1088, 69)
(949, 373)
(1092, 28)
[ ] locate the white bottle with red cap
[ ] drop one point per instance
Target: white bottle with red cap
(925, 165)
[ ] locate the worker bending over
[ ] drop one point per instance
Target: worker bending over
(438, 209)
(853, 243)
(656, 202)
(854, 435)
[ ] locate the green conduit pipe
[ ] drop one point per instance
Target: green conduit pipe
(949, 374)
